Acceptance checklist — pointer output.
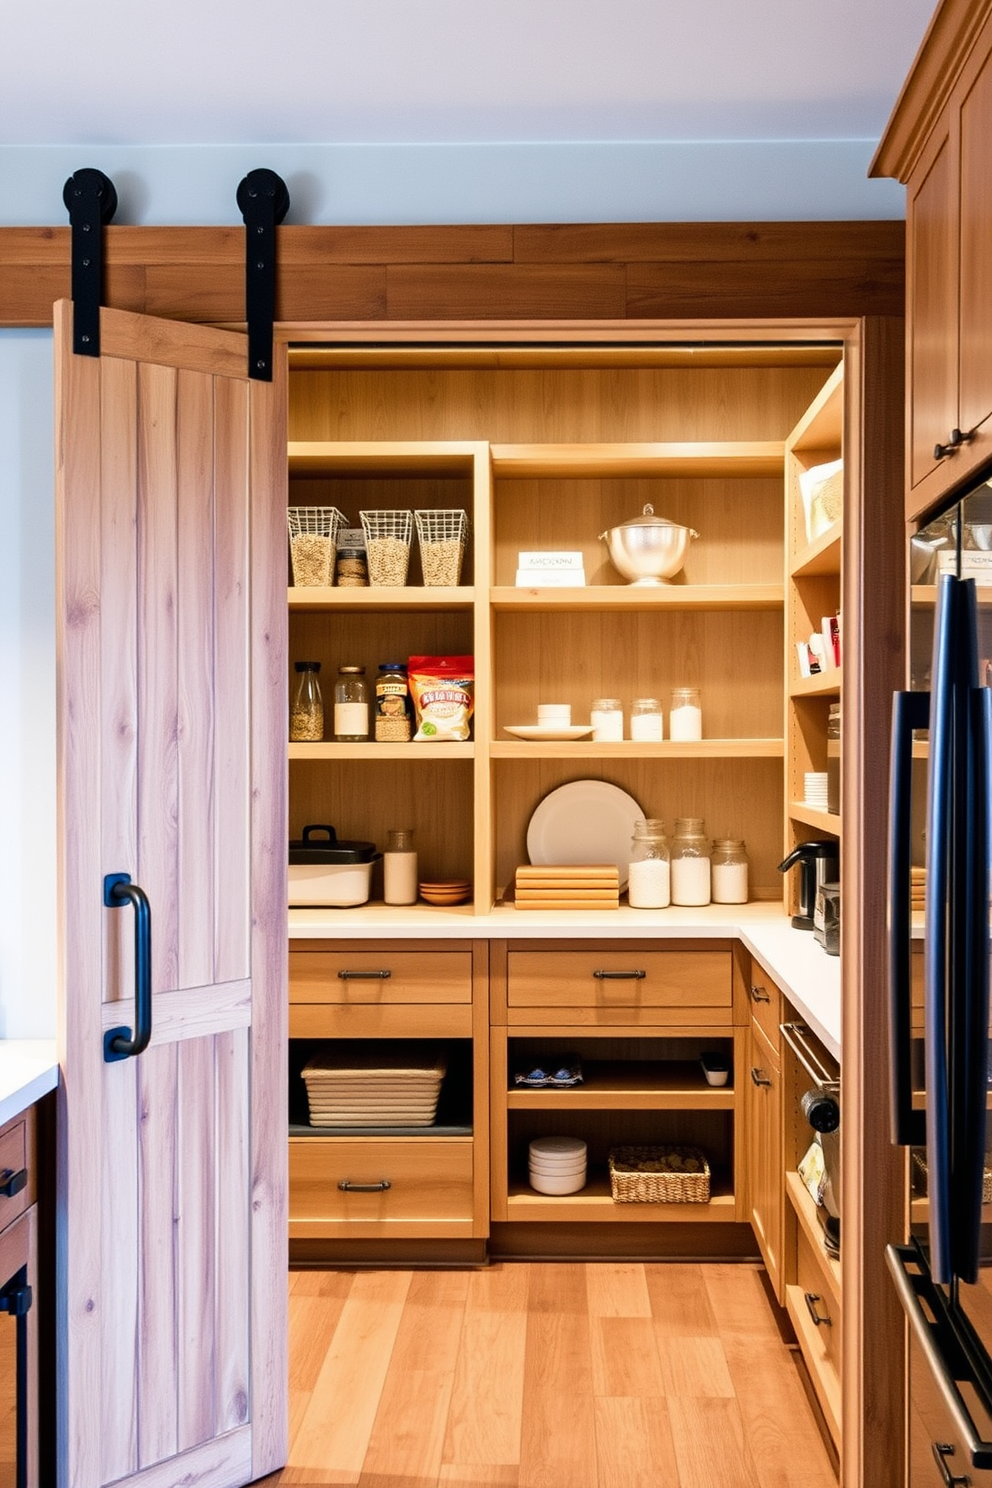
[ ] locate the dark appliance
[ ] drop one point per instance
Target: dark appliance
(820, 865)
(939, 884)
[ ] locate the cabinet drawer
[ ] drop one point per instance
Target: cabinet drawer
(680, 982)
(430, 1186)
(766, 1007)
(15, 1170)
(380, 976)
(821, 1343)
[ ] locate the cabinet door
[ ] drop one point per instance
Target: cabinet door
(766, 1179)
(975, 257)
(171, 755)
(931, 224)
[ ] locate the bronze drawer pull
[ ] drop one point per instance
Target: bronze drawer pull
(958, 437)
(12, 1181)
(811, 1299)
(364, 976)
(941, 1451)
(620, 976)
(346, 1186)
(759, 1077)
(758, 994)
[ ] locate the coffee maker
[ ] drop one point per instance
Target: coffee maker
(819, 865)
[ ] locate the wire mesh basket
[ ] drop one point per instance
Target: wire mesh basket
(443, 535)
(388, 535)
(313, 532)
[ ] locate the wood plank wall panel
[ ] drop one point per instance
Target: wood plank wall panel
(580, 271)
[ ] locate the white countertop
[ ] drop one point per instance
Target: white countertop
(29, 1069)
(799, 965)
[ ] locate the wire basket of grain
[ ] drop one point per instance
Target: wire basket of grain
(388, 535)
(659, 1175)
(442, 536)
(313, 547)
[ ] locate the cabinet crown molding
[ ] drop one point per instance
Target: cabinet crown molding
(949, 38)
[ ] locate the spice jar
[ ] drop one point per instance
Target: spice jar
(606, 717)
(399, 868)
(690, 862)
(686, 720)
(647, 723)
(351, 706)
(392, 704)
(649, 867)
(729, 872)
(351, 570)
(306, 719)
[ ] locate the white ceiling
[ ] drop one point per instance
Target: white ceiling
(215, 72)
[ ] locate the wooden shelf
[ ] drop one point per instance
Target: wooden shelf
(827, 821)
(822, 425)
(372, 751)
(924, 596)
(330, 1133)
(394, 456)
(824, 684)
(801, 1201)
(643, 598)
(636, 1085)
(708, 459)
(820, 557)
(584, 749)
(418, 597)
(595, 1204)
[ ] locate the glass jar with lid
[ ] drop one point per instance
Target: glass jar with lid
(647, 722)
(606, 717)
(306, 717)
(649, 866)
(351, 706)
(729, 871)
(690, 862)
(392, 703)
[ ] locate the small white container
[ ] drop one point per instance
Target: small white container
(557, 1151)
(606, 717)
(552, 714)
(537, 1166)
(685, 722)
(647, 724)
(329, 885)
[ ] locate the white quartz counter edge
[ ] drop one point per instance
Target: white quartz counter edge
(28, 1070)
(809, 977)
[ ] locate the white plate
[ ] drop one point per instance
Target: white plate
(550, 731)
(586, 821)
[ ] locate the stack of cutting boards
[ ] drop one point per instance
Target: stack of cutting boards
(567, 886)
(918, 887)
(381, 1088)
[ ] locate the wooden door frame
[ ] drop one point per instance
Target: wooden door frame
(770, 271)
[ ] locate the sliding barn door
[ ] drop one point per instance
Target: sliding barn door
(172, 700)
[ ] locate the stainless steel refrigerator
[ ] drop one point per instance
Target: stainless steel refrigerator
(939, 896)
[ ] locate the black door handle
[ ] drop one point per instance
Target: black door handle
(12, 1181)
(118, 1043)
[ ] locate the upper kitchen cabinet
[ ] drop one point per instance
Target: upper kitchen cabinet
(937, 144)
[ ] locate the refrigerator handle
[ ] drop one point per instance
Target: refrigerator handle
(940, 804)
(910, 710)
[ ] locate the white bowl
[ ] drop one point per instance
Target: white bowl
(557, 1149)
(554, 1171)
(569, 1183)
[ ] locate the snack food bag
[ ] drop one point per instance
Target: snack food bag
(443, 693)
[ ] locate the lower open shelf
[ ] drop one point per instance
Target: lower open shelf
(595, 1203)
(805, 1209)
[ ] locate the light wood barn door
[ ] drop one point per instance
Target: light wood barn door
(172, 1243)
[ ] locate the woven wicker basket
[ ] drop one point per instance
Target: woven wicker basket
(659, 1175)
(921, 1179)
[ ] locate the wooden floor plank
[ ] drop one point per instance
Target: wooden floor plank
(739, 1303)
(617, 1290)
(558, 1442)
(625, 1357)
(777, 1418)
(680, 1301)
(634, 1444)
(709, 1445)
(334, 1433)
(478, 1475)
(693, 1367)
(487, 1397)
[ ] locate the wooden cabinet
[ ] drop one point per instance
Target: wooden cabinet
(19, 1302)
(937, 144)
(350, 1184)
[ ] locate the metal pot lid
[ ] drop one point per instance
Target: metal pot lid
(648, 519)
(329, 849)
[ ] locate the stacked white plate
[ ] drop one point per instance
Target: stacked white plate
(557, 1165)
(376, 1089)
(815, 789)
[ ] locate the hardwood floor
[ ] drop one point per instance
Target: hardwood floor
(545, 1376)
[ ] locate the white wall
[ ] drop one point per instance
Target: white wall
(27, 687)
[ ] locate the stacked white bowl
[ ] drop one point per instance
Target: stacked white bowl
(554, 715)
(557, 1165)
